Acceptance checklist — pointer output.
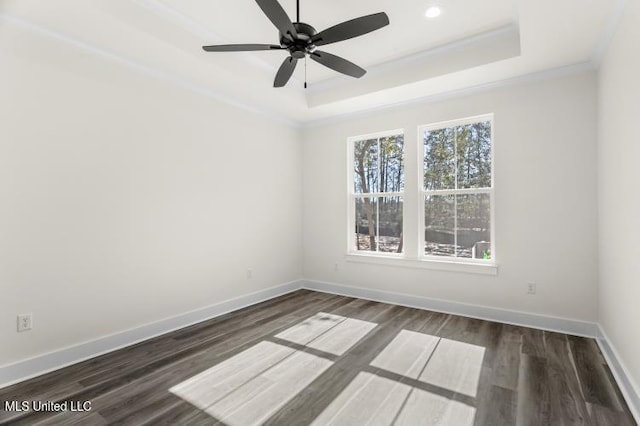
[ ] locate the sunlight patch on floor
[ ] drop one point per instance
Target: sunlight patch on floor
(251, 386)
(370, 399)
(445, 363)
(407, 353)
(329, 333)
(455, 366)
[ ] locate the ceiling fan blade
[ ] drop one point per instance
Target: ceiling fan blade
(350, 29)
(285, 71)
(279, 17)
(337, 63)
(241, 47)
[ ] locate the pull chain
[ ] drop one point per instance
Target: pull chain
(305, 71)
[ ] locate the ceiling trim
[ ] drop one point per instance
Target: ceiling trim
(480, 49)
(498, 32)
(608, 32)
(159, 74)
(481, 88)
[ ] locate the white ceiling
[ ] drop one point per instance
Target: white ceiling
(471, 44)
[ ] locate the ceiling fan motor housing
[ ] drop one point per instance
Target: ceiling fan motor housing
(300, 45)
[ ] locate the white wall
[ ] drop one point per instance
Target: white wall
(125, 200)
(619, 185)
(545, 179)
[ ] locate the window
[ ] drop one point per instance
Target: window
(451, 189)
(457, 189)
(377, 193)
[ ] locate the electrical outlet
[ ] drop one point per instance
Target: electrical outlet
(531, 287)
(25, 322)
(249, 273)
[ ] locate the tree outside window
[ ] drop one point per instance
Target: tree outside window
(457, 190)
(378, 169)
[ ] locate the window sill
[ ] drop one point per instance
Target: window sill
(438, 265)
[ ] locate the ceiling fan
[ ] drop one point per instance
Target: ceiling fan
(301, 39)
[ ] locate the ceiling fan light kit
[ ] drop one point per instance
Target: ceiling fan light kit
(301, 40)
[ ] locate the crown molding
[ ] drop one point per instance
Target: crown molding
(458, 93)
(141, 68)
(503, 31)
(608, 32)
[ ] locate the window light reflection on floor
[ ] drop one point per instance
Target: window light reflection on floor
(371, 399)
(250, 387)
(416, 378)
(329, 333)
(445, 363)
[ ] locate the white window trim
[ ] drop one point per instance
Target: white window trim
(351, 194)
(438, 263)
(491, 264)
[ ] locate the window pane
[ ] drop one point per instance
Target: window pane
(474, 232)
(365, 162)
(392, 164)
(473, 146)
(390, 233)
(439, 215)
(366, 223)
(439, 159)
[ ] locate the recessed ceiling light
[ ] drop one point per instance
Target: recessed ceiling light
(433, 12)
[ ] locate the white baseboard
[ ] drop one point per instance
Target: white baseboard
(630, 390)
(45, 363)
(562, 325)
(41, 364)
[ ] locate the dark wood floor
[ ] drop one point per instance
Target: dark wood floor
(310, 357)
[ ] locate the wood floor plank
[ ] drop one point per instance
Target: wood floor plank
(499, 407)
(316, 358)
(506, 363)
(603, 416)
(487, 335)
(591, 371)
(182, 413)
(72, 419)
(567, 403)
(426, 322)
(533, 393)
(533, 342)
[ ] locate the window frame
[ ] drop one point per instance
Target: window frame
(414, 257)
(352, 195)
(422, 192)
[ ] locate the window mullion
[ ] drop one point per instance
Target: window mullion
(377, 223)
(377, 199)
(455, 197)
(459, 191)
